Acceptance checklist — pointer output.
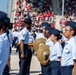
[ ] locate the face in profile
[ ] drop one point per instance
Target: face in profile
(29, 26)
(53, 37)
(68, 31)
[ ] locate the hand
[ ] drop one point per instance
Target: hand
(74, 71)
(22, 56)
(45, 63)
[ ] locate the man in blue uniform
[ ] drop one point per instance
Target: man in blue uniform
(46, 65)
(43, 25)
(45, 34)
(24, 39)
(31, 40)
(69, 51)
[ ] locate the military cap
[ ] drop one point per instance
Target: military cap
(55, 31)
(3, 15)
(28, 21)
(45, 24)
(6, 21)
(48, 28)
(71, 24)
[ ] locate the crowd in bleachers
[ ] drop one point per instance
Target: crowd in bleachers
(69, 11)
(39, 11)
(35, 19)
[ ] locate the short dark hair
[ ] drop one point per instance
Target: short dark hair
(1, 25)
(58, 36)
(10, 26)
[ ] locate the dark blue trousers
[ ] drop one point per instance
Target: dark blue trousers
(66, 70)
(55, 68)
(6, 70)
(13, 44)
(45, 69)
(23, 62)
(19, 56)
(29, 60)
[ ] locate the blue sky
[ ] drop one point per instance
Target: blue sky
(3, 4)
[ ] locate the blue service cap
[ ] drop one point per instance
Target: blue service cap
(45, 24)
(71, 24)
(6, 20)
(48, 28)
(3, 15)
(28, 21)
(55, 31)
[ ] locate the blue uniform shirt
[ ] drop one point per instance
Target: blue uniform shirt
(69, 53)
(2, 55)
(40, 35)
(7, 43)
(31, 38)
(15, 34)
(4, 51)
(49, 42)
(10, 37)
(24, 35)
(55, 52)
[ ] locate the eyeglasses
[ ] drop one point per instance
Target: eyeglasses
(67, 30)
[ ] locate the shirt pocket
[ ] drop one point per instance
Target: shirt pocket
(67, 50)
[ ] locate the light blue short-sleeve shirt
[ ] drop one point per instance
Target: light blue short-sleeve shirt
(24, 35)
(31, 38)
(55, 52)
(2, 55)
(40, 35)
(15, 34)
(10, 37)
(4, 51)
(69, 53)
(49, 42)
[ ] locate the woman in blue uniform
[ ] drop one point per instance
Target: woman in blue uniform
(4, 43)
(55, 52)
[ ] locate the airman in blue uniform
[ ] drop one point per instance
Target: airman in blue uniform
(44, 68)
(43, 25)
(24, 39)
(31, 40)
(69, 51)
(7, 40)
(46, 65)
(4, 44)
(55, 52)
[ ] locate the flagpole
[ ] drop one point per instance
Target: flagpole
(7, 7)
(62, 14)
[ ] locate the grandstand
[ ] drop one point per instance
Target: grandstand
(43, 10)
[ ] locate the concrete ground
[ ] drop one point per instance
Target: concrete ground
(35, 65)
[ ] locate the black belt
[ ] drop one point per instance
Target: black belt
(25, 44)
